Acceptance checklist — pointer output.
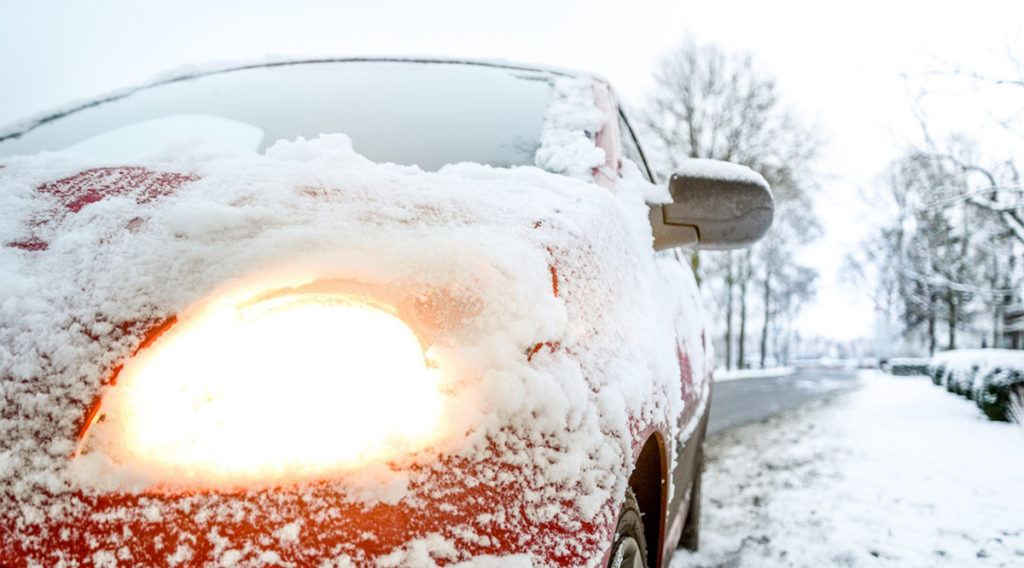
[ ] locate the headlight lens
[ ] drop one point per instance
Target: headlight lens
(293, 385)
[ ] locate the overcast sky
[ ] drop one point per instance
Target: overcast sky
(849, 66)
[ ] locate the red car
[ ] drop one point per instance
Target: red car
(354, 313)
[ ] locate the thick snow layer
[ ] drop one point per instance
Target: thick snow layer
(719, 170)
(970, 368)
(567, 136)
(550, 360)
(980, 358)
(897, 474)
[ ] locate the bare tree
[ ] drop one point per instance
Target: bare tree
(942, 258)
(709, 103)
(785, 284)
(951, 255)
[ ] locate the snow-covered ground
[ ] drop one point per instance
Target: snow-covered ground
(898, 473)
(738, 374)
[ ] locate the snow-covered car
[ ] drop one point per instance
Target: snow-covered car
(354, 313)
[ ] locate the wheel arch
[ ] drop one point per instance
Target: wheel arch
(648, 482)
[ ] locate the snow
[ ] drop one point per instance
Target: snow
(907, 361)
(289, 532)
(719, 170)
(722, 375)
(965, 359)
(77, 306)
(897, 473)
(566, 138)
(971, 368)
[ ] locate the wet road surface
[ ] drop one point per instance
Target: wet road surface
(741, 401)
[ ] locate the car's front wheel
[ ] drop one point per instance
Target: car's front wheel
(630, 548)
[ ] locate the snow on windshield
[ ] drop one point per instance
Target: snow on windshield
(574, 338)
(410, 113)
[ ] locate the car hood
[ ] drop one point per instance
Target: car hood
(559, 349)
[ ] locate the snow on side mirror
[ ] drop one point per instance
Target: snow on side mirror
(715, 205)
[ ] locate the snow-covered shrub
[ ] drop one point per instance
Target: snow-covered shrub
(959, 376)
(937, 371)
(997, 390)
(993, 378)
(906, 366)
(1017, 405)
(961, 380)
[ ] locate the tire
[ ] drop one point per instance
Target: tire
(630, 547)
(690, 537)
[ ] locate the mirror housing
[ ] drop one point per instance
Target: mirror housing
(715, 206)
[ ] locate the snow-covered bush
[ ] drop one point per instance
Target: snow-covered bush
(998, 390)
(937, 371)
(993, 378)
(1017, 405)
(960, 380)
(906, 366)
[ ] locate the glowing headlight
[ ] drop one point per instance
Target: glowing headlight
(295, 385)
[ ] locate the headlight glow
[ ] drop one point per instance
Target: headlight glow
(287, 386)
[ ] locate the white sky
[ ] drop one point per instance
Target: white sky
(841, 63)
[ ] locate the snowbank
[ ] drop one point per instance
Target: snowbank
(722, 375)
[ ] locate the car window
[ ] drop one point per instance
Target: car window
(631, 148)
(394, 111)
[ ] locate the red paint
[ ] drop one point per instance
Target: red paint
(554, 279)
(30, 244)
(154, 332)
(149, 331)
(90, 186)
(69, 195)
(551, 264)
(332, 524)
(551, 345)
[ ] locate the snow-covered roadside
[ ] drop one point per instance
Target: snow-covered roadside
(737, 374)
(898, 473)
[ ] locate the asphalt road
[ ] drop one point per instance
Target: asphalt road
(741, 401)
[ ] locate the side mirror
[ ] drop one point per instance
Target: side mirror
(715, 205)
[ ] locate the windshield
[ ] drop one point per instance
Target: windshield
(413, 113)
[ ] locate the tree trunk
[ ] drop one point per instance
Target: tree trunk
(740, 363)
(931, 325)
(767, 315)
(997, 313)
(952, 305)
(728, 309)
(997, 325)
(745, 279)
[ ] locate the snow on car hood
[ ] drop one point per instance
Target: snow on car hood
(570, 339)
